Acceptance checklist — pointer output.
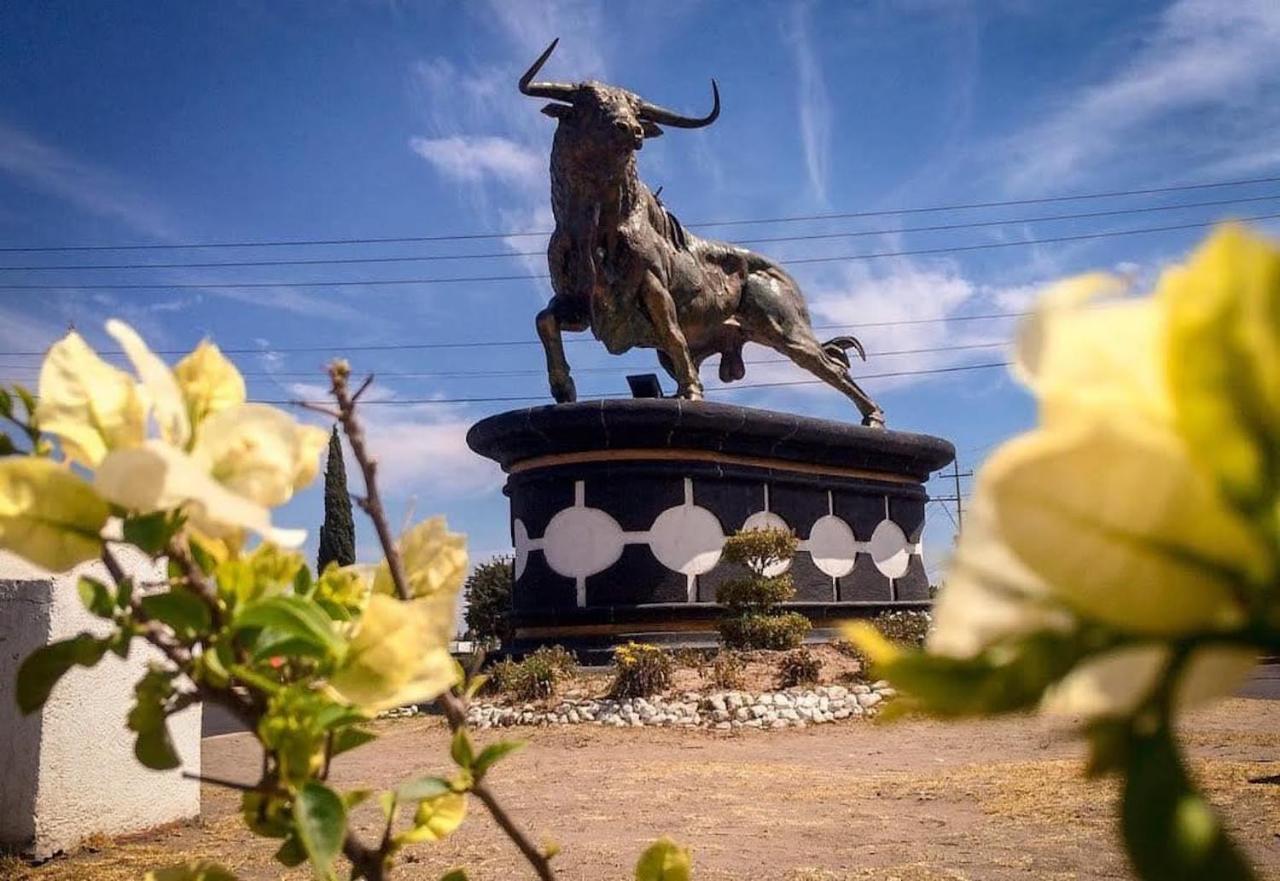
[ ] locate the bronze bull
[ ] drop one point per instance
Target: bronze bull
(623, 266)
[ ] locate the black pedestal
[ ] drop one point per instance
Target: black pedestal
(619, 509)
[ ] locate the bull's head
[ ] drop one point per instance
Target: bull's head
(608, 114)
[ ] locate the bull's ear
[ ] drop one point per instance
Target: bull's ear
(557, 111)
(651, 129)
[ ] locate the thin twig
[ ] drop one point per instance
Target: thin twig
(339, 374)
(452, 705)
(229, 784)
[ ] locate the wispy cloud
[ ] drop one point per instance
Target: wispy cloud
(1200, 57)
(813, 103)
(473, 159)
(45, 168)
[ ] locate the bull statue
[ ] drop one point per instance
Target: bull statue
(623, 266)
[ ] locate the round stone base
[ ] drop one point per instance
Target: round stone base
(619, 510)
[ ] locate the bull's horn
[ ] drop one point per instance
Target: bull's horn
(661, 115)
(555, 91)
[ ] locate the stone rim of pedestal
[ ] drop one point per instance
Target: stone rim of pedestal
(549, 435)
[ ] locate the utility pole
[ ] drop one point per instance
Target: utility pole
(959, 501)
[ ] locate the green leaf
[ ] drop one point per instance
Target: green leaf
(6, 403)
(150, 533)
(273, 643)
(320, 820)
(180, 609)
(7, 447)
(97, 597)
(299, 617)
(492, 753)
(1005, 679)
(291, 853)
(422, 788)
(664, 861)
(348, 739)
(46, 665)
(461, 749)
(203, 557)
(153, 748)
(198, 870)
(1170, 831)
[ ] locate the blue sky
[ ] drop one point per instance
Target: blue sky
(167, 123)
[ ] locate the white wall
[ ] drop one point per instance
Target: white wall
(69, 771)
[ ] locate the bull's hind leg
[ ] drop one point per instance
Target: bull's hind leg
(807, 352)
(773, 314)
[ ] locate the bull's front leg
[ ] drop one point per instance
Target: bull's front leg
(549, 326)
(662, 312)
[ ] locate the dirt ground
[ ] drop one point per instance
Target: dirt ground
(911, 801)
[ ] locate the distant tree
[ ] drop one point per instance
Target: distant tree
(338, 533)
(488, 593)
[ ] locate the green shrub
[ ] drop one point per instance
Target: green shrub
(639, 670)
(908, 627)
(752, 619)
(536, 677)
(754, 631)
(726, 670)
(488, 596)
(559, 658)
(799, 667)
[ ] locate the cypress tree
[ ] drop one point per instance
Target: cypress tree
(338, 533)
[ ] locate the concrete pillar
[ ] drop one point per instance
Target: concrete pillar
(69, 771)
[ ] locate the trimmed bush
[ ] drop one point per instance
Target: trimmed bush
(752, 619)
(799, 667)
(777, 632)
(640, 670)
(488, 596)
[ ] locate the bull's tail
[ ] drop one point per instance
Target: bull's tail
(836, 348)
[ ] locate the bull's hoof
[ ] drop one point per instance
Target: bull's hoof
(690, 393)
(565, 392)
(874, 419)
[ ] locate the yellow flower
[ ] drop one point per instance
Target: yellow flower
(399, 652)
(224, 460)
(209, 382)
(259, 452)
(48, 515)
(1144, 503)
(91, 406)
(434, 560)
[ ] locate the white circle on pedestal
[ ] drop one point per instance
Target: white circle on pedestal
(687, 539)
(581, 542)
(832, 547)
(888, 548)
(520, 535)
(769, 520)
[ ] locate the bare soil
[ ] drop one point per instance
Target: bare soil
(911, 801)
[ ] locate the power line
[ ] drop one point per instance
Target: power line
(733, 388)
(344, 261)
(475, 374)
(844, 215)
(532, 277)
(473, 344)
